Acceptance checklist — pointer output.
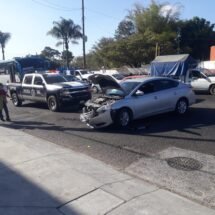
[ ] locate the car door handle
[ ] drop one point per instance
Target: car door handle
(155, 97)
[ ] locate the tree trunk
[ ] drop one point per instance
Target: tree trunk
(67, 49)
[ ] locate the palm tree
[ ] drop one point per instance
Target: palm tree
(4, 38)
(66, 31)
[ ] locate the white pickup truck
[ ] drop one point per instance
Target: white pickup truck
(200, 81)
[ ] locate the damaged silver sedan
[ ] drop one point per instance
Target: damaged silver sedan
(135, 99)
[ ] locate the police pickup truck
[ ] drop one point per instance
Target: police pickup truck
(52, 89)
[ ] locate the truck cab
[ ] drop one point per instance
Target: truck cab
(201, 81)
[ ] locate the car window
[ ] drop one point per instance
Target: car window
(148, 87)
(28, 79)
(38, 80)
(77, 73)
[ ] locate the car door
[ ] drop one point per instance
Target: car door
(198, 81)
(38, 89)
(144, 101)
(167, 94)
(26, 87)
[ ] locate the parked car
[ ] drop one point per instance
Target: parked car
(134, 99)
(82, 74)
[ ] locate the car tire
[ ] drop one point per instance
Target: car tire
(95, 89)
(53, 103)
(212, 89)
(124, 118)
(16, 101)
(181, 107)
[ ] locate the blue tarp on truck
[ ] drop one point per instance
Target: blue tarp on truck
(172, 65)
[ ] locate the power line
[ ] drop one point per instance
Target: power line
(98, 12)
(54, 6)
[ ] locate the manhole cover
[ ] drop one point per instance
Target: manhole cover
(184, 163)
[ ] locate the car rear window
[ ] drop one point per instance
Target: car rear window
(166, 84)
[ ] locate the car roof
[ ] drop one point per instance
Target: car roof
(148, 79)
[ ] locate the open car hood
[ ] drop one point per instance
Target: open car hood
(105, 82)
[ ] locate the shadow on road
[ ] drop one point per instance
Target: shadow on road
(65, 109)
(191, 123)
(22, 196)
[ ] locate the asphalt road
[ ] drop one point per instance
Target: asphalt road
(195, 131)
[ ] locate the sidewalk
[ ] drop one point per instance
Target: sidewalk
(40, 178)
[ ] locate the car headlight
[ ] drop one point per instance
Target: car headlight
(65, 92)
(103, 109)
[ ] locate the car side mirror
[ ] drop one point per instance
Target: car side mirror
(139, 93)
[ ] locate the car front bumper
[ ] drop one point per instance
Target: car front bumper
(99, 120)
(75, 99)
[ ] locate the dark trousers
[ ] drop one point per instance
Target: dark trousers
(1, 116)
(6, 110)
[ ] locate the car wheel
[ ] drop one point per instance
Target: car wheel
(95, 89)
(181, 107)
(212, 89)
(16, 101)
(123, 118)
(53, 104)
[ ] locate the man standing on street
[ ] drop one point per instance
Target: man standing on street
(3, 94)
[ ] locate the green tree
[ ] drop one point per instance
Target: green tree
(4, 38)
(197, 35)
(50, 53)
(138, 35)
(66, 31)
(125, 29)
(101, 50)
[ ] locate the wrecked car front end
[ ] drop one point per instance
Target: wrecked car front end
(98, 113)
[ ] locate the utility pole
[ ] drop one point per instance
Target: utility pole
(84, 37)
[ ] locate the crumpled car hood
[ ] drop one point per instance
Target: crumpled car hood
(105, 82)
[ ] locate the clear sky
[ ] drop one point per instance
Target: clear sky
(28, 21)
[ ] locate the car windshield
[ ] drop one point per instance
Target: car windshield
(118, 76)
(209, 72)
(71, 78)
(52, 79)
(128, 86)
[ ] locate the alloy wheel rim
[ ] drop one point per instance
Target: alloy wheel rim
(124, 118)
(182, 107)
(52, 104)
(14, 99)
